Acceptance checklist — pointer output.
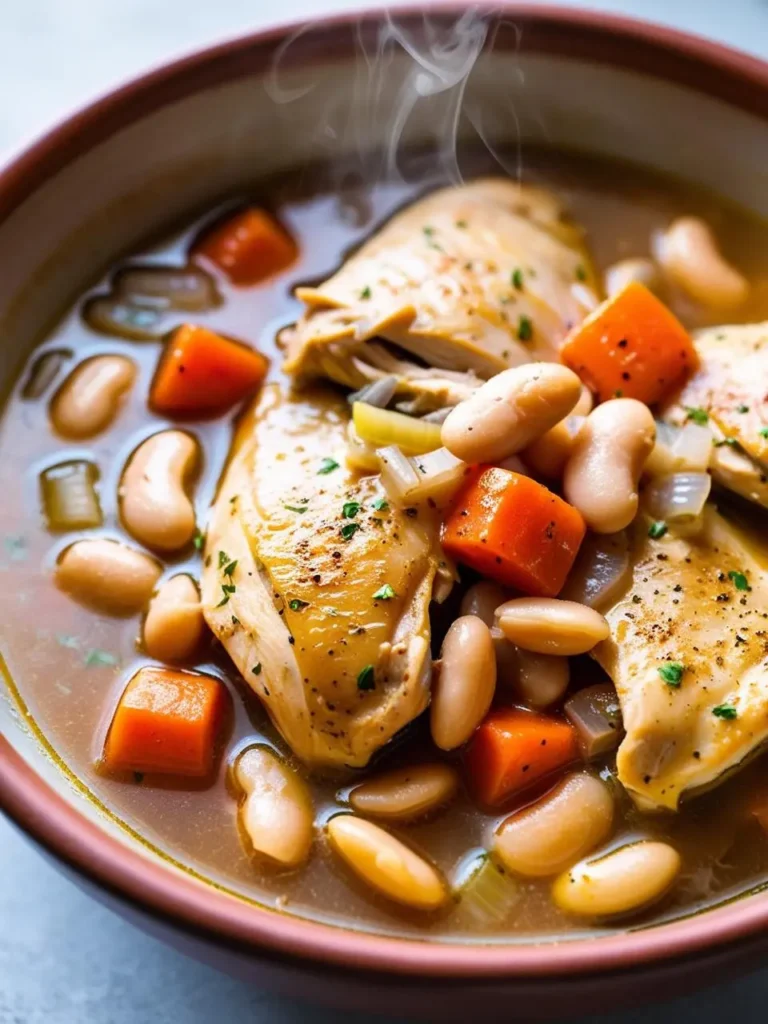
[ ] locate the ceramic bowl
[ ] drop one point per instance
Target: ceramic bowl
(181, 137)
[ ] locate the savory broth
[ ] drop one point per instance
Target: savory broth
(71, 665)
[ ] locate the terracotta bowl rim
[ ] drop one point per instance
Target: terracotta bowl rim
(57, 826)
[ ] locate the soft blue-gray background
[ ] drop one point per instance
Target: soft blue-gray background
(64, 959)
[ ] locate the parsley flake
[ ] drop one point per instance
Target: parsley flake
(727, 711)
(517, 278)
(672, 673)
(223, 559)
(461, 223)
(366, 679)
(763, 432)
(581, 273)
(198, 540)
(385, 593)
(350, 509)
(257, 669)
(296, 605)
(524, 328)
(739, 580)
(730, 441)
(381, 505)
(327, 466)
(428, 230)
(349, 531)
(301, 509)
(657, 530)
(229, 569)
(697, 414)
(742, 408)
(365, 293)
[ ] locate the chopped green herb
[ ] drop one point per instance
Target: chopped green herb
(742, 408)
(461, 223)
(230, 569)
(739, 580)
(327, 466)
(517, 278)
(727, 711)
(350, 509)
(223, 601)
(97, 657)
(223, 559)
(236, 621)
(698, 415)
(763, 432)
(672, 673)
(257, 669)
(365, 293)
(730, 441)
(618, 393)
(385, 593)
(67, 641)
(349, 531)
(581, 273)
(381, 504)
(366, 679)
(198, 540)
(296, 605)
(428, 230)
(524, 328)
(657, 530)
(296, 508)
(227, 589)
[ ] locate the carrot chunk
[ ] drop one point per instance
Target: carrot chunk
(514, 530)
(630, 346)
(168, 722)
(203, 374)
(513, 748)
(248, 247)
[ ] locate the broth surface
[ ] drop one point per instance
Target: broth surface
(71, 665)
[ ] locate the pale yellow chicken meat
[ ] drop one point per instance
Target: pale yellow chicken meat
(457, 287)
(317, 588)
(700, 603)
(731, 387)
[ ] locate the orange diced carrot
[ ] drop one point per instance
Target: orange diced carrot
(631, 346)
(514, 748)
(168, 722)
(248, 247)
(203, 374)
(514, 530)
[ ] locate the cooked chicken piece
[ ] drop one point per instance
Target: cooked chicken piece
(701, 602)
(731, 385)
(469, 281)
(297, 550)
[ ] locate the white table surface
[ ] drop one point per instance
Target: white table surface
(63, 958)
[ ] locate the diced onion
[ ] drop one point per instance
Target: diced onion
(679, 497)
(383, 427)
(360, 454)
(595, 714)
(44, 372)
(379, 393)
(187, 288)
(680, 450)
(408, 481)
(69, 496)
(602, 571)
(489, 894)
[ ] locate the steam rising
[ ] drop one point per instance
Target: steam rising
(441, 56)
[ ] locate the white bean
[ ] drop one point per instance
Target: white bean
(622, 882)
(620, 274)
(540, 679)
(174, 626)
(549, 454)
(510, 411)
(90, 398)
(465, 684)
(107, 576)
(386, 864)
(406, 793)
(155, 506)
(547, 625)
(558, 829)
(482, 600)
(689, 254)
(601, 476)
(277, 813)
